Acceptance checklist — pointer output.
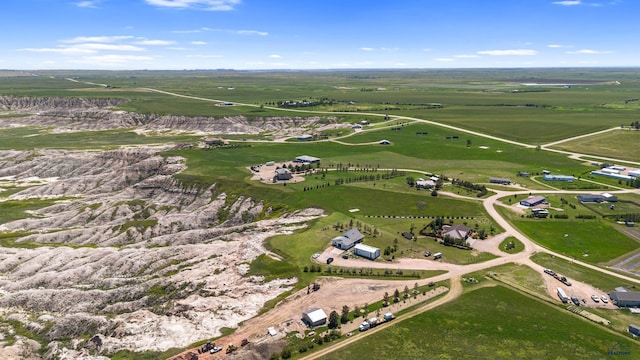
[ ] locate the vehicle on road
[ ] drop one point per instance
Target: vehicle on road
(550, 272)
(329, 260)
(437, 256)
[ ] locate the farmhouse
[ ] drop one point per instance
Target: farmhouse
(366, 251)
(425, 184)
(550, 177)
(307, 159)
(625, 298)
(314, 317)
(458, 232)
(533, 201)
(282, 174)
(348, 239)
(502, 181)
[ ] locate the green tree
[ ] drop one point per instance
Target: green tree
(345, 315)
(333, 320)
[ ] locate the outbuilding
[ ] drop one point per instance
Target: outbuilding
(634, 330)
(307, 159)
(314, 317)
(502, 181)
(366, 251)
(549, 177)
(625, 298)
(532, 201)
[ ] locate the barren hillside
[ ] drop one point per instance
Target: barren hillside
(126, 257)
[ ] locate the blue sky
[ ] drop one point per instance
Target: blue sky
(317, 34)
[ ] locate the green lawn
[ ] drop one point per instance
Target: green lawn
(490, 323)
(615, 144)
(592, 241)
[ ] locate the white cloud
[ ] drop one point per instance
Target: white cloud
(558, 46)
(251, 32)
(198, 43)
(94, 39)
(155, 42)
(516, 52)
(275, 56)
(589, 52)
(443, 60)
(210, 5)
(88, 4)
(98, 46)
(60, 50)
(465, 56)
(568, 2)
(427, 49)
(367, 49)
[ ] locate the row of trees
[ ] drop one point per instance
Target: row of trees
(482, 190)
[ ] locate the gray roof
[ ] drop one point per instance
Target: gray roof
(353, 234)
(625, 295)
(457, 232)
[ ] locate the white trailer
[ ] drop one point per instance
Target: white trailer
(563, 296)
(437, 256)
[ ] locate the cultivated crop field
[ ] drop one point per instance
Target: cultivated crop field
(163, 179)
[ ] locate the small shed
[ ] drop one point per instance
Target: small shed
(314, 317)
(384, 142)
(366, 251)
(634, 330)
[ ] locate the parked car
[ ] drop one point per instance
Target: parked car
(575, 300)
(216, 349)
(329, 260)
(604, 299)
(550, 272)
(595, 298)
(427, 254)
(345, 256)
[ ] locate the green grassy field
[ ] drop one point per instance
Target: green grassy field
(490, 323)
(620, 144)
